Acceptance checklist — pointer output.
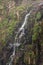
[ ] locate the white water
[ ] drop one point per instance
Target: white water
(21, 29)
(22, 33)
(25, 21)
(13, 54)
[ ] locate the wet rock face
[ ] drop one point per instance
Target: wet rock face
(6, 52)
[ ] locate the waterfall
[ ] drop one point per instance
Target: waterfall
(20, 33)
(25, 21)
(13, 54)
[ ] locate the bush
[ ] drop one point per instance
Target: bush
(36, 31)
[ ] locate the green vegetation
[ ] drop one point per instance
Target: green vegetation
(9, 17)
(38, 16)
(8, 21)
(6, 30)
(36, 31)
(20, 8)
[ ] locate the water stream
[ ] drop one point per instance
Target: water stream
(18, 36)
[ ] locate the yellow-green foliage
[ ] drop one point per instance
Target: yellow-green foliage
(36, 31)
(1, 7)
(38, 15)
(7, 26)
(20, 8)
(6, 29)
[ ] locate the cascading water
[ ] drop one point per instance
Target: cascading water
(21, 29)
(20, 33)
(25, 21)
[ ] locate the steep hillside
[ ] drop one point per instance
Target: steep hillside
(12, 15)
(32, 51)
